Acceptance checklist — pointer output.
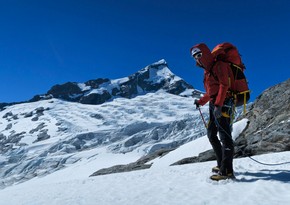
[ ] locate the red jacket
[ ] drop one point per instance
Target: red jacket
(217, 77)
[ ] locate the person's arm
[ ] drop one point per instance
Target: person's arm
(204, 99)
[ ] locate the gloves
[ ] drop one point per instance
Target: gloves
(217, 112)
(196, 103)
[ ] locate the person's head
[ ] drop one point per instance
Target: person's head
(202, 56)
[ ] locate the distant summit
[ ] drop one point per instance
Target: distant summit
(152, 78)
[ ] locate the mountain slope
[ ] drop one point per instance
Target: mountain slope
(152, 78)
(140, 113)
(44, 136)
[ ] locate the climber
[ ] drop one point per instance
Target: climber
(216, 83)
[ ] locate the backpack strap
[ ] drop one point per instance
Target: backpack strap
(239, 67)
(244, 93)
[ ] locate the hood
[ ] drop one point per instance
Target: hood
(206, 60)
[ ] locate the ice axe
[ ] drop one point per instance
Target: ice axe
(202, 117)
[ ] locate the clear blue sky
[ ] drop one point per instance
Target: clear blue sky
(48, 42)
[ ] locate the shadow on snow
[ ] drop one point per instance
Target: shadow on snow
(273, 175)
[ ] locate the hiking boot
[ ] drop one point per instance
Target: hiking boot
(215, 169)
(219, 176)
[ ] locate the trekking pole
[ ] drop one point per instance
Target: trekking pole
(202, 117)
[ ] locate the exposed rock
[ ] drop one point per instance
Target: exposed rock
(3, 105)
(7, 142)
(9, 126)
(34, 118)
(39, 111)
(8, 114)
(269, 127)
(2, 137)
(96, 83)
(138, 165)
(65, 91)
(208, 155)
(39, 127)
(97, 116)
(95, 98)
(29, 114)
(42, 136)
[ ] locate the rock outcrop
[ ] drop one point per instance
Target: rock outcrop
(269, 128)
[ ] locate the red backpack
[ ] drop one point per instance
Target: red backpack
(239, 88)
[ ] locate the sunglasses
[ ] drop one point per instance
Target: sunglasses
(197, 56)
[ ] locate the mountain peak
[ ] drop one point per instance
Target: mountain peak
(159, 65)
(160, 62)
(154, 77)
(158, 72)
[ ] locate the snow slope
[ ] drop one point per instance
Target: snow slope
(34, 143)
(172, 185)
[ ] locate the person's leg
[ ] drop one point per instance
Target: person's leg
(227, 146)
(213, 139)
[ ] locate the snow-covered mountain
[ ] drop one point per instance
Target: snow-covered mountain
(48, 134)
(152, 78)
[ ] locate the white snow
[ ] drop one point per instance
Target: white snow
(119, 81)
(161, 184)
(238, 127)
(84, 87)
(162, 61)
(187, 92)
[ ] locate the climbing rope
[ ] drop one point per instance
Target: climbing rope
(239, 149)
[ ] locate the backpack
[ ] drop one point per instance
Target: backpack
(239, 88)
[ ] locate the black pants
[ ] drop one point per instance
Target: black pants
(223, 148)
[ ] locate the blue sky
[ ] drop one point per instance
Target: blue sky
(48, 42)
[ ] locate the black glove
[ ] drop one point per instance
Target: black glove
(196, 103)
(217, 111)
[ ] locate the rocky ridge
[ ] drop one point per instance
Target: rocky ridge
(152, 78)
(269, 128)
